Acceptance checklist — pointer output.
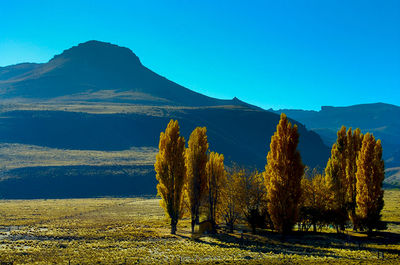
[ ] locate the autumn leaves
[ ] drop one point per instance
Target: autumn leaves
(171, 172)
(188, 178)
(283, 174)
(195, 181)
(355, 172)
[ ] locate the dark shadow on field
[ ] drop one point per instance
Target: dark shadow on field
(305, 243)
(393, 222)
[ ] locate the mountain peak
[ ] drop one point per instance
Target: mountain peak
(98, 51)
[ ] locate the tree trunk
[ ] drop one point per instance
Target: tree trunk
(369, 232)
(193, 224)
(214, 227)
(230, 227)
(173, 226)
(195, 219)
(253, 229)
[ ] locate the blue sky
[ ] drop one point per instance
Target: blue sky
(279, 54)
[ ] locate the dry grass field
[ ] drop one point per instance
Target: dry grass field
(22, 155)
(135, 231)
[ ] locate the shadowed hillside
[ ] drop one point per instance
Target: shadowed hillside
(101, 72)
(242, 135)
(380, 119)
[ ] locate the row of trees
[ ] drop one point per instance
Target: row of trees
(351, 189)
(193, 180)
(188, 178)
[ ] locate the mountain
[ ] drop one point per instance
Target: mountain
(98, 71)
(98, 103)
(380, 119)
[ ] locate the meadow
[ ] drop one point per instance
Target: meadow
(135, 231)
(22, 155)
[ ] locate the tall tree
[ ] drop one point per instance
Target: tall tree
(354, 141)
(216, 179)
(336, 173)
(171, 172)
(283, 174)
(340, 171)
(370, 175)
(196, 160)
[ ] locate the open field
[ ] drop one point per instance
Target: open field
(23, 155)
(135, 231)
(32, 171)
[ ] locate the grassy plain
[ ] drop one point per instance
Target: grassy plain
(23, 155)
(135, 231)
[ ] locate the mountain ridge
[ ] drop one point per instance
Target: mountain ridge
(96, 66)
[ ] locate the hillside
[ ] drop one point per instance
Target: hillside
(97, 71)
(99, 97)
(380, 119)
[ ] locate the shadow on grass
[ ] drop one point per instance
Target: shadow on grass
(305, 243)
(393, 222)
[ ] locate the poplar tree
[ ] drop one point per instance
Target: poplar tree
(336, 173)
(282, 176)
(370, 175)
(196, 182)
(340, 171)
(216, 179)
(354, 141)
(171, 172)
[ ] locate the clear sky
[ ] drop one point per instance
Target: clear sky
(279, 54)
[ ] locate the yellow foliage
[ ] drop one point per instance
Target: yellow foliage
(196, 182)
(216, 180)
(341, 171)
(283, 174)
(316, 192)
(253, 199)
(370, 175)
(171, 172)
(232, 197)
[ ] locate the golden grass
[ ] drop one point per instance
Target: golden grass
(22, 155)
(135, 231)
(391, 210)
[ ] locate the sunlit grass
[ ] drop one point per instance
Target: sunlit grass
(135, 230)
(21, 155)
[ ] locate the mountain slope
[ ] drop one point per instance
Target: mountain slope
(97, 71)
(243, 135)
(380, 119)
